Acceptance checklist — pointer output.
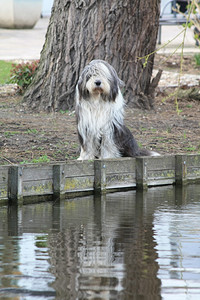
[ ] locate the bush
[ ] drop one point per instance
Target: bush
(22, 74)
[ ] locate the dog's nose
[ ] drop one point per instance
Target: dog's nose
(98, 82)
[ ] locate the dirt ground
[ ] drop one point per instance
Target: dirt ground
(40, 137)
(173, 63)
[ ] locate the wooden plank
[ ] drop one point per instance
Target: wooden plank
(119, 181)
(77, 168)
(3, 192)
(141, 173)
(155, 163)
(15, 184)
(77, 177)
(193, 160)
(37, 187)
(73, 177)
(158, 170)
(37, 180)
(119, 165)
(192, 167)
(4, 182)
(29, 180)
(115, 173)
(37, 172)
(58, 180)
(79, 183)
(99, 176)
(187, 168)
(156, 177)
(193, 174)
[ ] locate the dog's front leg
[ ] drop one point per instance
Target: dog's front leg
(86, 154)
(108, 148)
(86, 142)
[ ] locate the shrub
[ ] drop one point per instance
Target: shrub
(22, 74)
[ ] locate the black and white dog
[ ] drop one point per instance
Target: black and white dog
(100, 115)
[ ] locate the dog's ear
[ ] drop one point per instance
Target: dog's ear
(120, 83)
(114, 90)
(80, 88)
(113, 94)
(83, 93)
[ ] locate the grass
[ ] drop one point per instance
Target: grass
(5, 67)
(197, 59)
(11, 133)
(31, 131)
(190, 148)
(41, 159)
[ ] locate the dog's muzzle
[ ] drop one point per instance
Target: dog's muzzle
(98, 86)
(98, 83)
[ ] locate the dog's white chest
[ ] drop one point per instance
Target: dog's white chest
(96, 117)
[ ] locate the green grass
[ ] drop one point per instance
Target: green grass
(31, 131)
(41, 159)
(197, 59)
(10, 133)
(191, 148)
(5, 67)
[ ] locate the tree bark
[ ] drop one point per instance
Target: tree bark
(118, 31)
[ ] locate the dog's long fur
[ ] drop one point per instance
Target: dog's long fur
(100, 115)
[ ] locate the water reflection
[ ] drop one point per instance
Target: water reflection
(177, 233)
(133, 245)
(108, 248)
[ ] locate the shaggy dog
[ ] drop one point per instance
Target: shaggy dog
(100, 115)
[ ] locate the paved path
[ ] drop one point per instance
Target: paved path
(17, 44)
(27, 44)
(175, 34)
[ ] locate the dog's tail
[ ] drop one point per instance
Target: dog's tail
(145, 152)
(127, 145)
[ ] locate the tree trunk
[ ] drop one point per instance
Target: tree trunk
(118, 31)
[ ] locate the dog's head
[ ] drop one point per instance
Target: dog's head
(98, 79)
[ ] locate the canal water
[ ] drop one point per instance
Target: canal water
(132, 245)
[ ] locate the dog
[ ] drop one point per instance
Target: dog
(100, 115)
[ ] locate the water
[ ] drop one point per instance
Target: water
(132, 245)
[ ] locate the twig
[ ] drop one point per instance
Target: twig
(146, 57)
(181, 64)
(6, 159)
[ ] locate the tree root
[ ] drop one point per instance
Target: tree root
(190, 94)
